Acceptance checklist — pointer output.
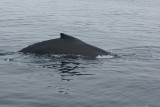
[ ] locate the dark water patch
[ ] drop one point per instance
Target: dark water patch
(68, 67)
(3, 53)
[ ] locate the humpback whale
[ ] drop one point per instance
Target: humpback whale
(65, 45)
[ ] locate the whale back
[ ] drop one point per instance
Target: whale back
(64, 45)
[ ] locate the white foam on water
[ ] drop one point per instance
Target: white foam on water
(105, 56)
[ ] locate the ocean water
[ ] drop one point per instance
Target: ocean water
(128, 28)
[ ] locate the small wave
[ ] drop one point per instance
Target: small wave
(140, 53)
(8, 56)
(9, 59)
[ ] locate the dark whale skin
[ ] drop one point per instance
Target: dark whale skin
(65, 45)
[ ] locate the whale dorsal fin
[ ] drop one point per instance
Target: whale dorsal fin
(65, 36)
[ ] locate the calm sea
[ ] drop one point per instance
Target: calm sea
(129, 28)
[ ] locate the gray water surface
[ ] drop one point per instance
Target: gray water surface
(129, 28)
